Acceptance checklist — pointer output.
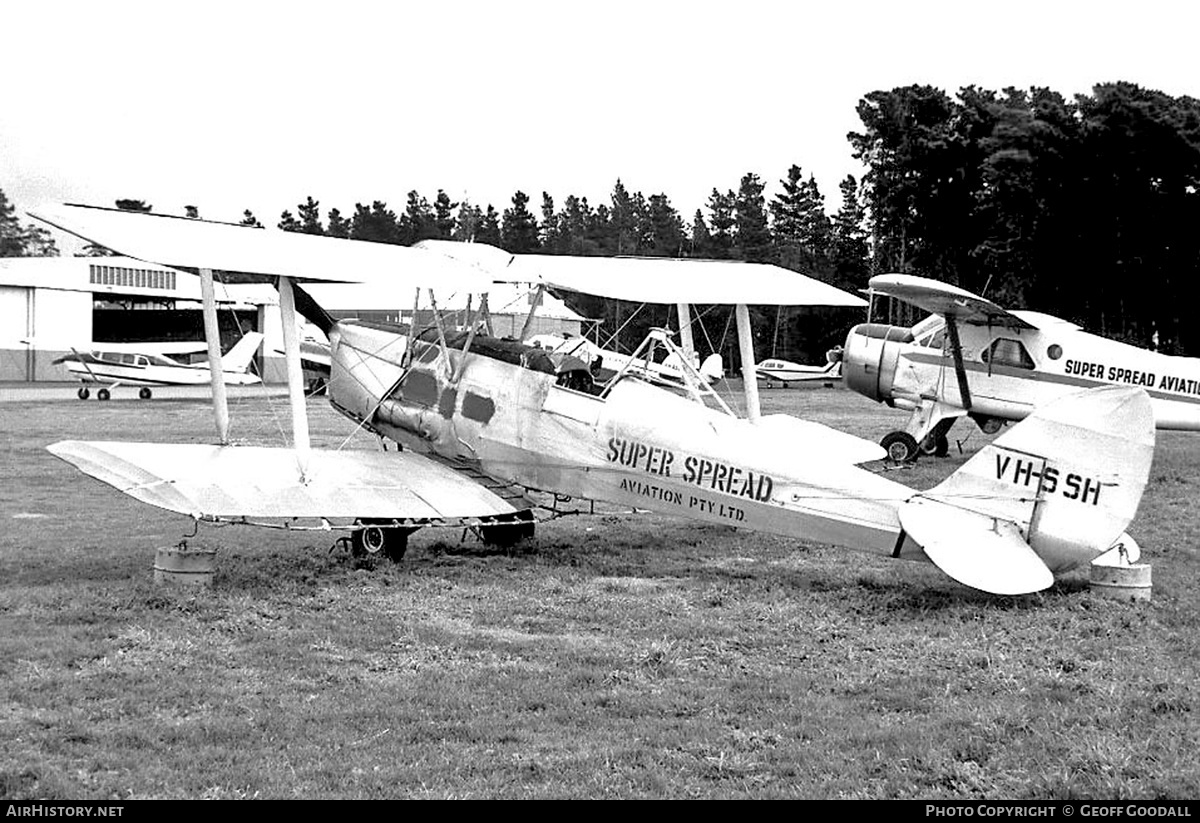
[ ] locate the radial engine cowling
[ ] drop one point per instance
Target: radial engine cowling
(871, 356)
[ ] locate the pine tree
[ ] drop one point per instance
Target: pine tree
(467, 222)
(753, 237)
(288, 222)
(310, 217)
(443, 216)
(488, 230)
(338, 226)
(723, 223)
(518, 229)
(849, 252)
(248, 219)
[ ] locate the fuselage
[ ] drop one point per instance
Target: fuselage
(633, 444)
(1012, 372)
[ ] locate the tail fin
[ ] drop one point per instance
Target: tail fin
(1053, 492)
(239, 357)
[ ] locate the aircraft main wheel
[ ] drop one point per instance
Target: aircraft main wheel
(102, 394)
(509, 530)
(935, 445)
(83, 393)
(375, 539)
(144, 393)
(901, 447)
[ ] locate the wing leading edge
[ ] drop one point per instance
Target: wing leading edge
(262, 483)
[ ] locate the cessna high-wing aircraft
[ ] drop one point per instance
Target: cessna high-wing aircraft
(152, 364)
(973, 358)
(491, 438)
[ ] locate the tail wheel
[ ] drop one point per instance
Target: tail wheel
(144, 393)
(508, 530)
(377, 538)
(83, 393)
(103, 394)
(901, 447)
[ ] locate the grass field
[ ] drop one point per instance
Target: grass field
(612, 656)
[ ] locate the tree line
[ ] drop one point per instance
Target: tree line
(1082, 208)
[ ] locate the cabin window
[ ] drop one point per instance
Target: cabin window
(1005, 352)
(1054, 352)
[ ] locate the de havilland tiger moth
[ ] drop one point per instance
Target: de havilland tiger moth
(494, 438)
(972, 358)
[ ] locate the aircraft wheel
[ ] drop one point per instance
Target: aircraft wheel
(935, 445)
(102, 394)
(83, 393)
(901, 447)
(375, 539)
(145, 393)
(502, 535)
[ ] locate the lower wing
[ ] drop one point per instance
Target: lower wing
(245, 483)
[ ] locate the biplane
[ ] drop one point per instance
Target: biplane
(111, 365)
(972, 358)
(493, 436)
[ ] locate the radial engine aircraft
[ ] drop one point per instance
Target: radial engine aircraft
(150, 364)
(493, 439)
(972, 358)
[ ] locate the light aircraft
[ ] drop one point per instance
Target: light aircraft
(783, 372)
(493, 439)
(972, 358)
(152, 364)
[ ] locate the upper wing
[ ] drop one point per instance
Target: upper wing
(249, 482)
(184, 242)
(653, 279)
(949, 301)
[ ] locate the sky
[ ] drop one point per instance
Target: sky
(258, 105)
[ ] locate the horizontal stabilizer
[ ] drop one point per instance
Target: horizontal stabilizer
(975, 549)
(254, 482)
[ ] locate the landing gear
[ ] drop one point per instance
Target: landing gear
(102, 394)
(901, 447)
(83, 393)
(377, 538)
(144, 393)
(509, 530)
